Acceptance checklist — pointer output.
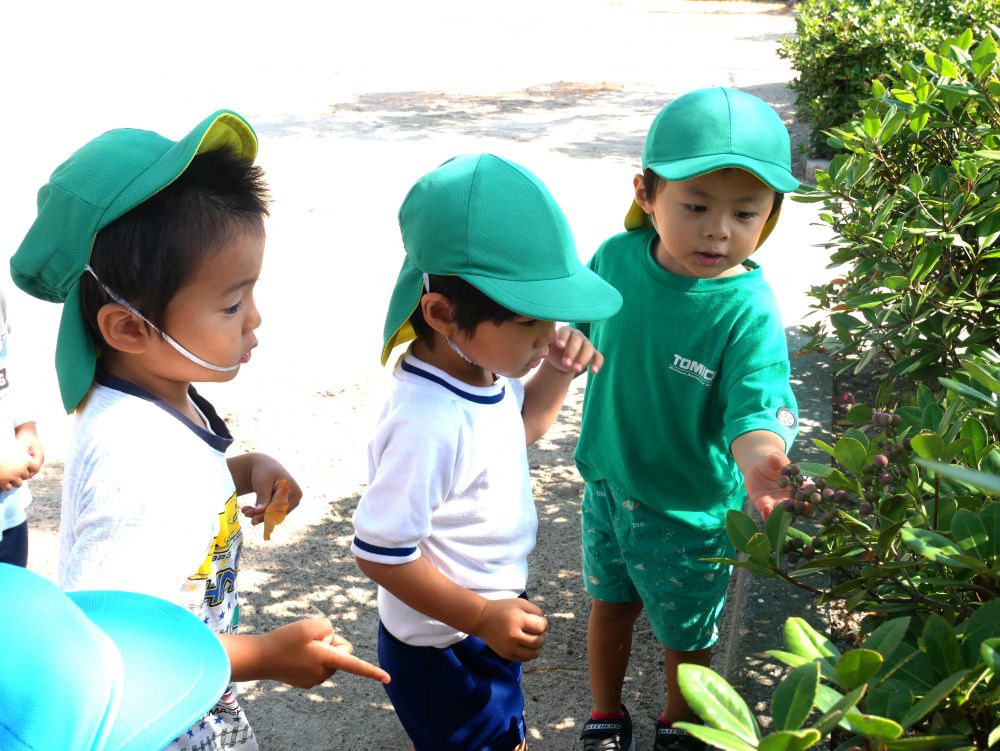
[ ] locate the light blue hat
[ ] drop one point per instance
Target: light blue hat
(101, 670)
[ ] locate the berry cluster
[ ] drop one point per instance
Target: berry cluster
(880, 476)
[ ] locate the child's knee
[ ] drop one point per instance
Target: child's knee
(615, 612)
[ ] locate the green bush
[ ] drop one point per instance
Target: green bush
(914, 204)
(907, 532)
(842, 45)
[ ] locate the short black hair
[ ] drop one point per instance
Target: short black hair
(150, 252)
(471, 307)
(652, 182)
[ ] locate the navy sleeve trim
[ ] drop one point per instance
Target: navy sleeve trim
(378, 550)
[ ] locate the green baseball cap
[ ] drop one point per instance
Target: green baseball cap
(710, 129)
(495, 225)
(100, 182)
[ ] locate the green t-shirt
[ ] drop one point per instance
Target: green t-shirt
(690, 364)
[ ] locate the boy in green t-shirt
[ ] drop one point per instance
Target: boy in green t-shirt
(693, 410)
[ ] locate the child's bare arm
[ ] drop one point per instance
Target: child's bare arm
(302, 654)
(760, 455)
(259, 473)
(513, 628)
(569, 355)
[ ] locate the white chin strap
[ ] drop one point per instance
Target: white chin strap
(454, 347)
(169, 339)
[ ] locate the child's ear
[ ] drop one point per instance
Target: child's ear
(641, 197)
(438, 311)
(122, 330)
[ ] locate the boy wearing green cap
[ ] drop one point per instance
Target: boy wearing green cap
(154, 249)
(693, 410)
(447, 522)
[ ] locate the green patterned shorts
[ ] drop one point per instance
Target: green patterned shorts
(634, 552)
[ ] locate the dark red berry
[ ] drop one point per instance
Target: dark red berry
(881, 461)
(866, 508)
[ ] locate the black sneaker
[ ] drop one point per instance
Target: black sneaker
(608, 735)
(671, 739)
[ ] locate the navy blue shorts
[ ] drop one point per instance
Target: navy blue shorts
(14, 545)
(464, 697)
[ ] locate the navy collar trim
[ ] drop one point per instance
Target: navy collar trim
(219, 438)
(477, 398)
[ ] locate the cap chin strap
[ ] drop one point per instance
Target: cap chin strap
(454, 347)
(170, 340)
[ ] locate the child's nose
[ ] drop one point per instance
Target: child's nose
(253, 318)
(548, 333)
(717, 227)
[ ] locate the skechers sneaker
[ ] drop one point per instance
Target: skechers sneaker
(608, 735)
(671, 739)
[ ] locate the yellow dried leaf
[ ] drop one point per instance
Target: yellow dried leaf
(276, 510)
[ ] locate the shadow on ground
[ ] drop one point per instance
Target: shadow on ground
(612, 118)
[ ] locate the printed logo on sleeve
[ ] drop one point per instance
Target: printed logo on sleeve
(693, 369)
(3, 378)
(786, 417)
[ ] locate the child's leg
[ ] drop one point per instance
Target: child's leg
(609, 644)
(676, 708)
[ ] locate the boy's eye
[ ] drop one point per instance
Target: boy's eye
(694, 207)
(746, 214)
(232, 309)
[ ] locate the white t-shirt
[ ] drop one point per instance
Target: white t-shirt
(149, 506)
(447, 479)
(14, 501)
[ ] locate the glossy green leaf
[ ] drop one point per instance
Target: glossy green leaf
(990, 652)
(961, 474)
(932, 698)
(928, 445)
(989, 515)
(740, 528)
(790, 740)
(759, 549)
(716, 702)
(874, 726)
(850, 453)
(938, 548)
(776, 528)
(793, 698)
(804, 640)
(857, 666)
(982, 625)
(835, 709)
(860, 414)
(891, 699)
(941, 646)
(887, 637)
(716, 738)
(970, 533)
(926, 742)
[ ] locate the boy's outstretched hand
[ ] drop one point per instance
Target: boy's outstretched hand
(307, 652)
(513, 628)
(761, 481)
(573, 352)
(262, 474)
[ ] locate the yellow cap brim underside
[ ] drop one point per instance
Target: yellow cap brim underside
(403, 334)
